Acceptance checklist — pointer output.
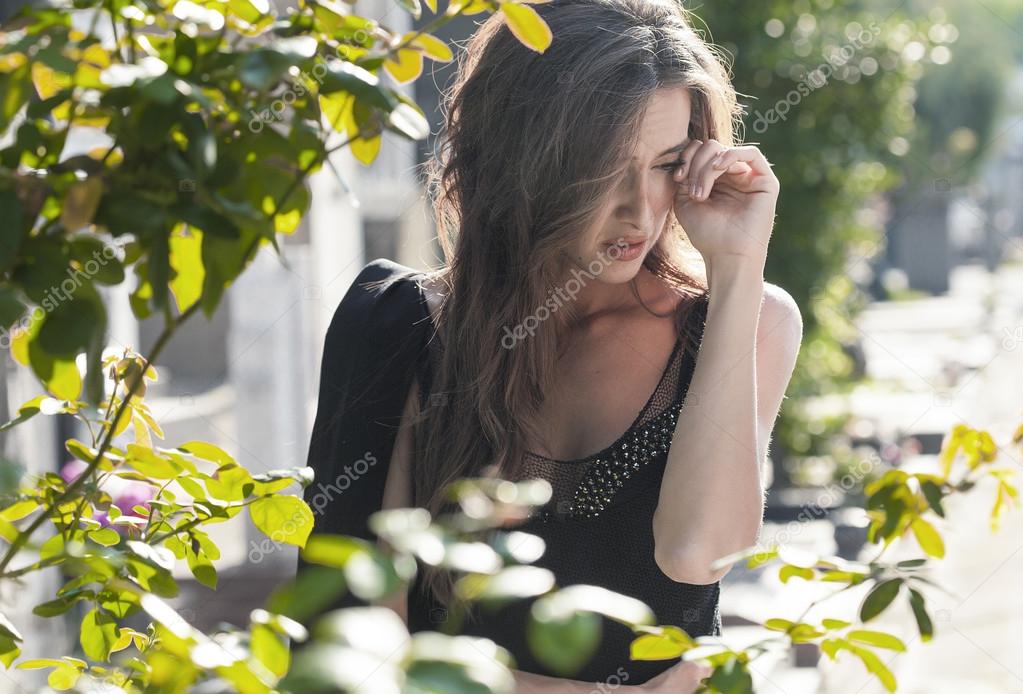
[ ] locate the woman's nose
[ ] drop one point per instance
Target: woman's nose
(635, 191)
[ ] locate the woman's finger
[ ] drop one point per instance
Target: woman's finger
(700, 174)
(748, 155)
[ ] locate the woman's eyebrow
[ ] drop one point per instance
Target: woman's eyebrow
(677, 148)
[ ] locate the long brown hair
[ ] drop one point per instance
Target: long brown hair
(532, 145)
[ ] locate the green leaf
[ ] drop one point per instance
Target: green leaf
(263, 68)
(80, 203)
(66, 330)
(98, 634)
(923, 620)
(9, 650)
(342, 76)
(202, 568)
(62, 604)
(563, 644)
(731, 677)
(15, 90)
(158, 556)
(11, 307)
(27, 410)
(269, 649)
(8, 629)
(96, 259)
(879, 598)
(932, 492)
(283, 518)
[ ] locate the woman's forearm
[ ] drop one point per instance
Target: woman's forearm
(711, 498)
(529, 683)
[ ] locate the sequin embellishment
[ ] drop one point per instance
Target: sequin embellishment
(608, 472)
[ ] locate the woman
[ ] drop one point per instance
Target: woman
(600, 229)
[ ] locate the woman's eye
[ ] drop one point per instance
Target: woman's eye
(670, 168)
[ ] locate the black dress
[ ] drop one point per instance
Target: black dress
(597, 526)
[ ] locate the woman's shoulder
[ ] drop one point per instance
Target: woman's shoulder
(384, 297)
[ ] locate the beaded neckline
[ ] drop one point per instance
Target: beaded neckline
(609, 472)
(635, 423)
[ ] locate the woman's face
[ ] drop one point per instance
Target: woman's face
(638, 206)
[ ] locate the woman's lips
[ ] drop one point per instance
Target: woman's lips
(627, 241)
(624, 250)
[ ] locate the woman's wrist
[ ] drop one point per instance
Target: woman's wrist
(732, 269)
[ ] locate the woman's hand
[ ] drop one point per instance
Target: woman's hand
(732, 213)
(681, 678)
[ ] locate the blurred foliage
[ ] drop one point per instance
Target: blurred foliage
(847, 99)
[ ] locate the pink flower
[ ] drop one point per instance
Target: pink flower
(134, 494)
(72, 469)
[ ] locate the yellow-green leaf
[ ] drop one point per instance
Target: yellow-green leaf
(875, 666)
(407, 67)
(108, 537)
(19, 510)
(671, 642)
(788, 571)
(876, 638)
(146, 461)
(432, 46)
(269, 649)
(98, 634)
(929, 539)
(207, 451)
(527, 26)
(80, 203)
(283, 518)
(186, 261)
(65, 382)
